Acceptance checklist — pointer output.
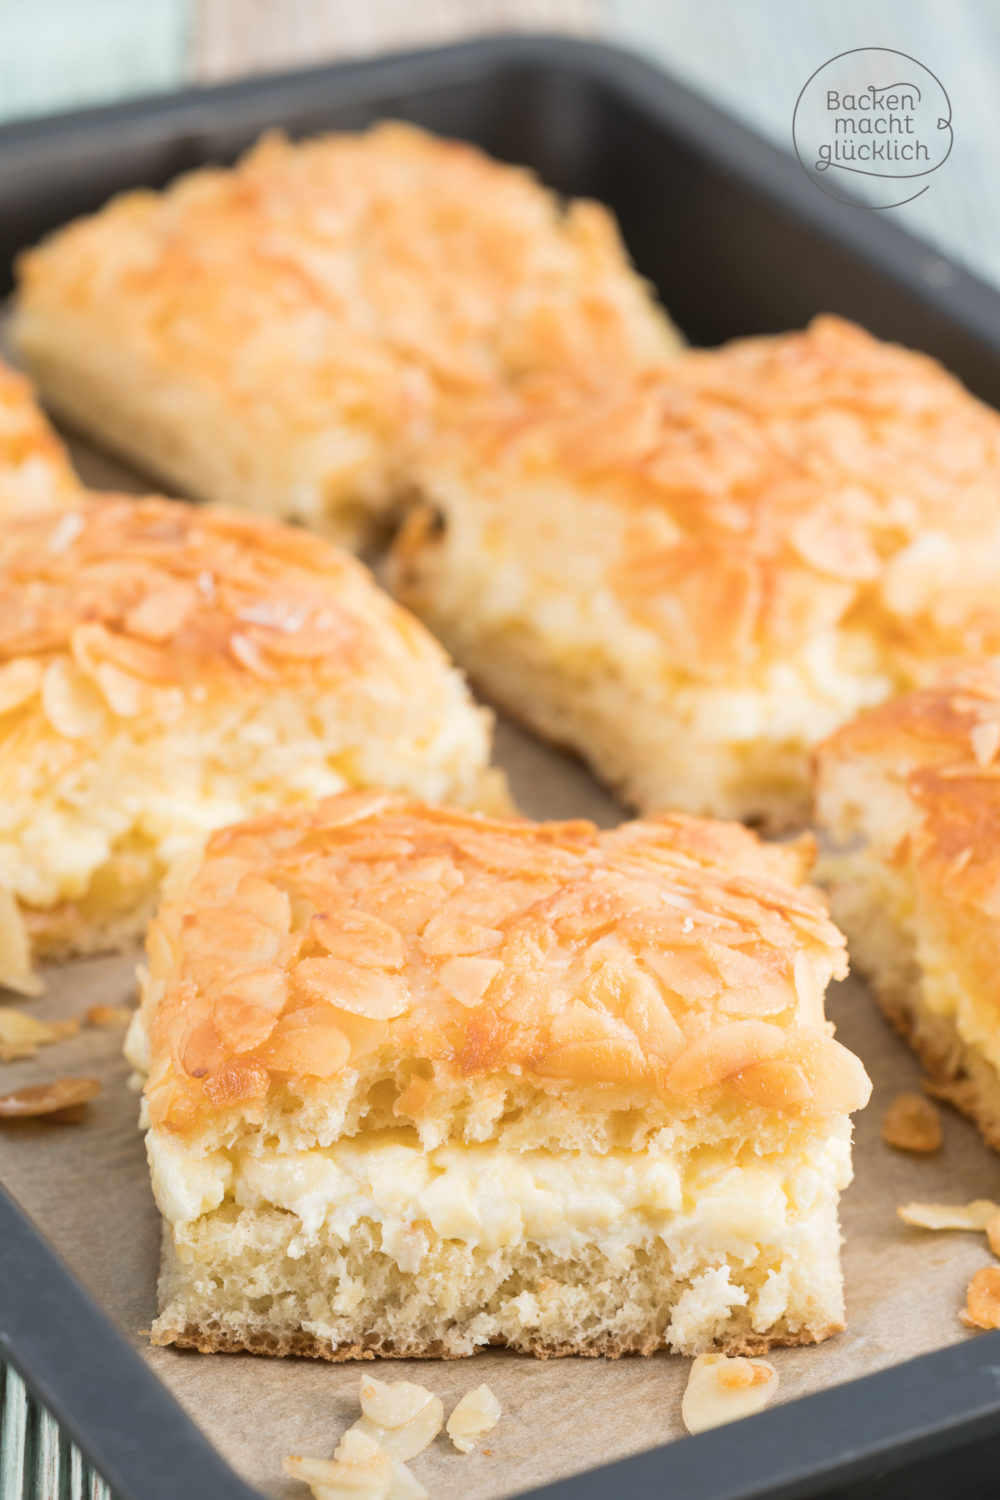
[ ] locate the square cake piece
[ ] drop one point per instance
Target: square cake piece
(419, 1081)
(275, 334)
(692, 576)
(35, 471)
(911, 794)
(165, 671)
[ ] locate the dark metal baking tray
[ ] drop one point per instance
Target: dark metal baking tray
(737, 240)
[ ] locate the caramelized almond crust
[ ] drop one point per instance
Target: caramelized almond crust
(748, 501)
(315, 301)
(165, 670)
(35, 471)
(673, 963)
(136, 605)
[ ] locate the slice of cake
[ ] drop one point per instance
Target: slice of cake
(911, 791)
(692, 576)
(274, 335)
(420, 1081)
(35, 471)
(164, 671)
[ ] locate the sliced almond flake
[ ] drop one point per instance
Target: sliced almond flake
(982, 1299)
(16, 971)
(985, 741)
(54, 1098)
(71, 702)
(249, 655)
(64, 533)
(20, 680)
(401, 1417)
(722, 1389)
(475, 1415)
(993, 1234)
(912, 1123)
(21, 1035)
(359, 1470)
(975, 1215)
(108, 1015)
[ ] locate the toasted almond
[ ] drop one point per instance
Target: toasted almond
(721, 1389)
(162, 612)
(16, 972)
(467, 979)
(108, 1015)
(985, 741)
(975, 1215)
(20, 680)
(912, 1123)
(369, 992)
(993, 1234)
(982, 1299)
(403, 1418)
(306, 1041)
(21, 1035)
(71, 702)
(475, 1415)
(242, 1078)
(360, 1475)
(722, 1053)
(359, 937)
(359, 1470)
(48, 1098)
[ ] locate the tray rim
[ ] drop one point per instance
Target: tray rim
(56, 1336)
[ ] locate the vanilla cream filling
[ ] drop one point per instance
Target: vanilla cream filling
(490, 1197)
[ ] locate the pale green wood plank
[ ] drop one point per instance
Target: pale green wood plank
(61, 54)
(13, 1434)
(753, 56)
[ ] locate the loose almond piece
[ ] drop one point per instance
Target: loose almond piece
(721, 1389)
(48, 1098)
(975, 1215)
(982, 1299)
(16, 972)
(993, 1234)
(402, 1417)
(912, 1123)
(108, 1015)
(475, 1415)
(21, 1035)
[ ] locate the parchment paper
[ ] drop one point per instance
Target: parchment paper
(86, 1185)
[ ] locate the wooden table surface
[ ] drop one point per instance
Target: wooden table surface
(750, 56)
